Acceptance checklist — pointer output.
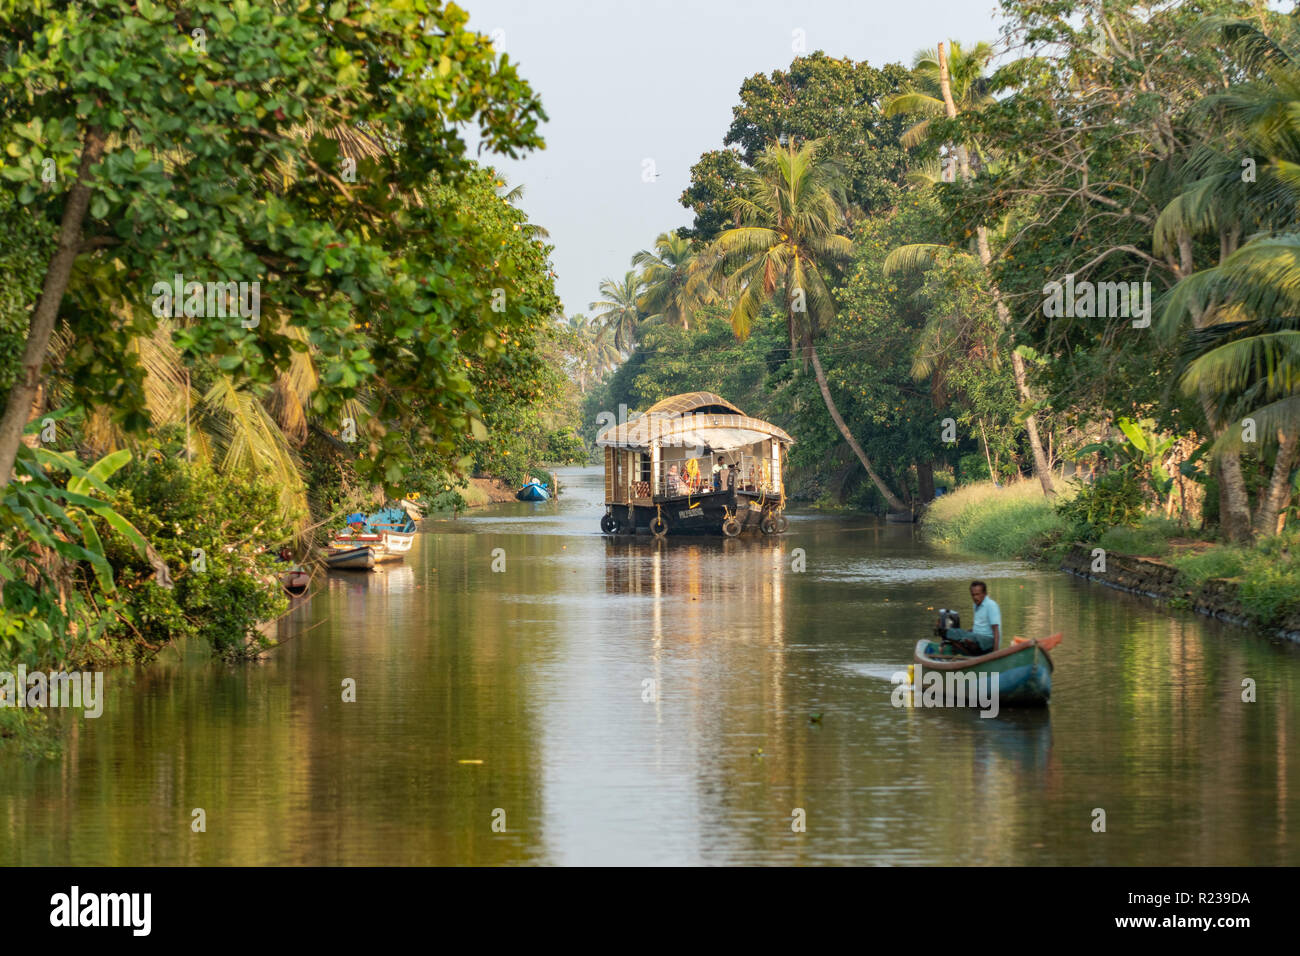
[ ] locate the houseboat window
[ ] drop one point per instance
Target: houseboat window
(643, 467)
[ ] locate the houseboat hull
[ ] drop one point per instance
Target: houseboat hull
(718, 513)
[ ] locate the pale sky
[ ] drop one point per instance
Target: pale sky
(626, 81)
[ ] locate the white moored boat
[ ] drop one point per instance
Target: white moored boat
(387, 535)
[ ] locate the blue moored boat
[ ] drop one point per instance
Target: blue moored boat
(533, 491)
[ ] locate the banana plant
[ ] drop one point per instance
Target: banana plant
(1152, 448)
(39, 518)
(1143, 452)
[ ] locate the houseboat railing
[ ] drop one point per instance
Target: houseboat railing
(750, 473)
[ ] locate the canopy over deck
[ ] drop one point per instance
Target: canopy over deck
(693, 402)
(694, 419)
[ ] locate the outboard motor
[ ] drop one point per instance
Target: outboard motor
(947, 619)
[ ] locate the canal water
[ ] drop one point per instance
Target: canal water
(696, 701)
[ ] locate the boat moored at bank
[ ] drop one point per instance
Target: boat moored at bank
(385, 536)
(533, 491)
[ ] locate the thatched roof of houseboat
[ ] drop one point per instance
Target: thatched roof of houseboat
(693, 402)
(697, 419)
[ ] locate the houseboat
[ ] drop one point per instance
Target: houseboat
(694, 463)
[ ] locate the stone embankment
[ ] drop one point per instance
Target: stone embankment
(1152, 578)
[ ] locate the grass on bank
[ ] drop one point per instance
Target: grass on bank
(1267, 575)
(1004, 521)
(1151, 538)
(1017, 521)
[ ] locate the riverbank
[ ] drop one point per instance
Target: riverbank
(486, 491)
(1256, 587)
(1220, 598)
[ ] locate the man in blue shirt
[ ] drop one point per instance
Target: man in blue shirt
(985, 634)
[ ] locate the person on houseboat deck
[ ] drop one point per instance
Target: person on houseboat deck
(717, 474)
(674, 482)
(692, 474)
(985, 634)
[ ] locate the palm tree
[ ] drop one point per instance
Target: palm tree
(512, 196)
(675, 285)
(604, 355)
(236, 428)
(594, 354)
(620, 311)
(1243, 347)
(972, 66)
(1252, 366)
(966, 81)
(790, 209)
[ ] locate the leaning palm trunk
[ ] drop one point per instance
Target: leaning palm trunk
(895, 504)
(787, 219)
(1277, 496)
(25, 389)
(1042, 467)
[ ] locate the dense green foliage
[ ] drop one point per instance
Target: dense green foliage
(215, 166)
(1113, 500)
(218, 535)
(821, 98)
(59, 591)
(406, 332)
(1109, 150)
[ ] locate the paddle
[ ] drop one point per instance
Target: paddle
(1046, 643)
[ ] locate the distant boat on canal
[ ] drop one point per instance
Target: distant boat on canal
(533, 491)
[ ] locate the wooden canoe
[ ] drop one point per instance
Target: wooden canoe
(295, 582)
(1024, 668)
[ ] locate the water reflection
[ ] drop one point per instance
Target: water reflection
(623, 700)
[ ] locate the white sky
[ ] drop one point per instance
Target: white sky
(624, 81)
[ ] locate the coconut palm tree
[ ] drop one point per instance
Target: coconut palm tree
(949, 90)
(620, 311)
(1252, 368)
(1243, 344)
(966, 81)
(676, 287)
(237, 428)
(790, 209)
(595, 354)
(512, 196)
(604, 356)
